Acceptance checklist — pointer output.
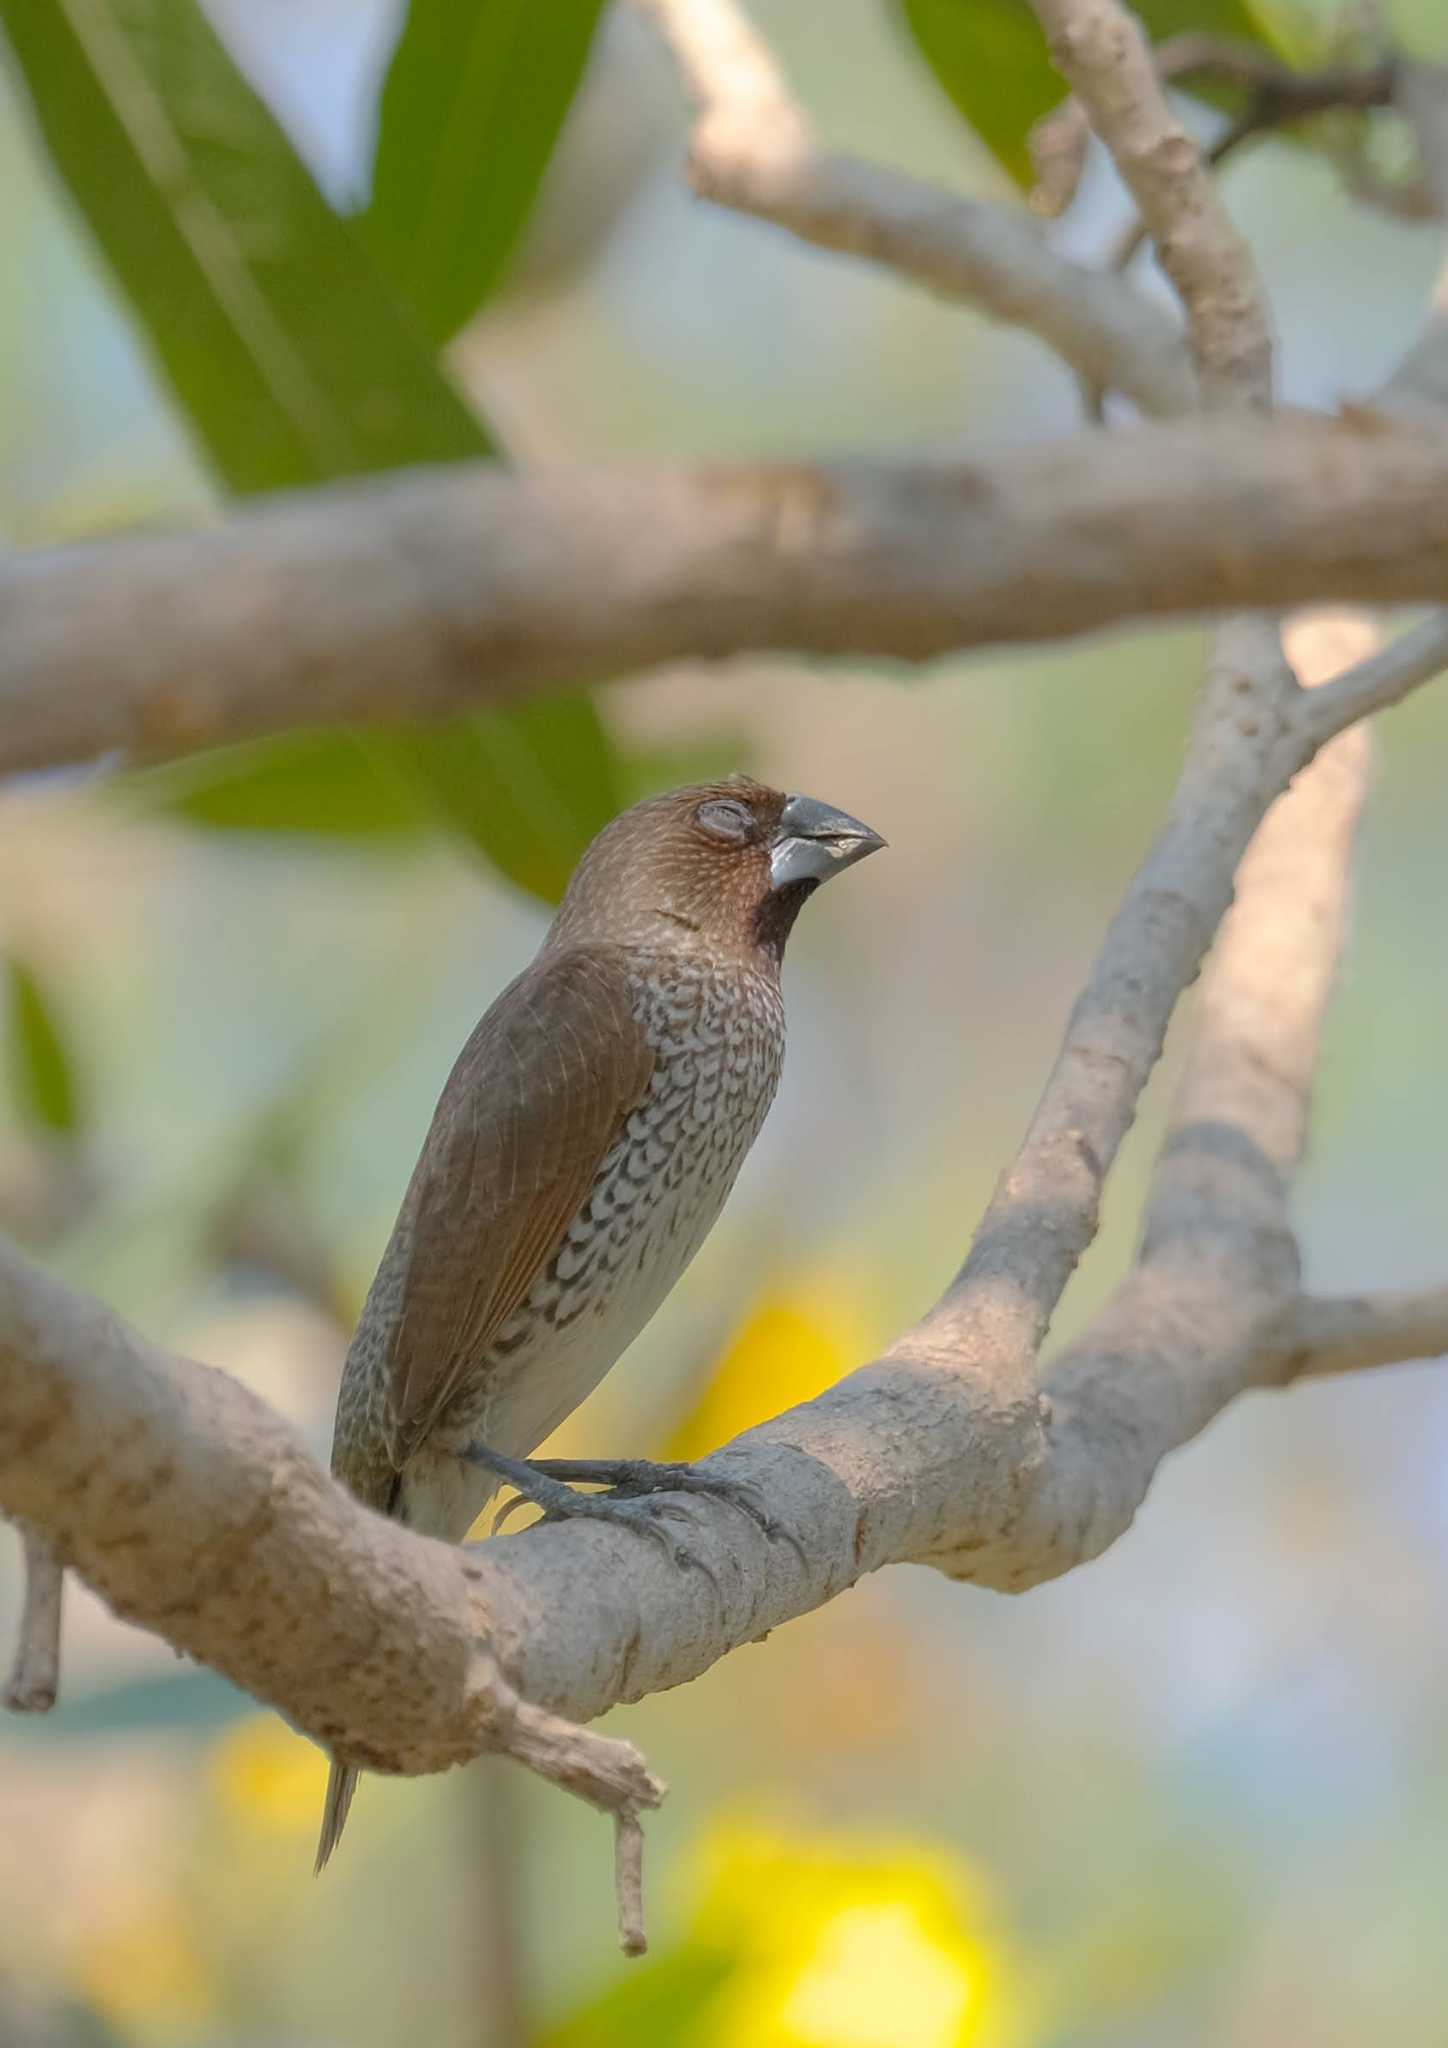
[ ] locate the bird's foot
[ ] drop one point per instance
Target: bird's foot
(540, 1483)
(638, 1478)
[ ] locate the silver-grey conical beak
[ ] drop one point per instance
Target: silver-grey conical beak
(813, 841)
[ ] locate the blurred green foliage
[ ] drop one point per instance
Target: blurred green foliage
(297, 358)
(291, 360)
(337, 785)
(472, 105)
(44, 1085)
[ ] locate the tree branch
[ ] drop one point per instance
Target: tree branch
(1103, 53)
(753, 151)
(1349, 1333)
(1384, 677)
(427, 593)
(1274, 97)
(1201, 1315)
(35, 1674)
(197, 1512)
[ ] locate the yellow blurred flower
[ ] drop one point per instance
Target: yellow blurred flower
(790, 1347)
(876, 1976)
(267, 1778)
(147, 1975)
(850, 1941)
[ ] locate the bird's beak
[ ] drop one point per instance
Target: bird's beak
(813, 841)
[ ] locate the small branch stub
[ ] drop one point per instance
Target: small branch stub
(35, 1675)
(628, 1883)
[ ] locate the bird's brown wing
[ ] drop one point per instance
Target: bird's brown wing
(538, 1095)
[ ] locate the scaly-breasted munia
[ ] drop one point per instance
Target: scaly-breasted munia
(579, 1154)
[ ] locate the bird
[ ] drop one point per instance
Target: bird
(579, 1154)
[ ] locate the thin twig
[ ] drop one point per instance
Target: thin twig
(628, 1883)
(1422, 96)
(607, 1773)
(1385, 677)
(754, 151)
(1103, 53)
(1275, 97)
(35, 1673)
(1094, 396)
(1278, 98)
(1349, 1333)
(1217, 152)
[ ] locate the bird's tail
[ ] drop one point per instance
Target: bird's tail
(341, 1784)
(444, 1504)
(342, 1778)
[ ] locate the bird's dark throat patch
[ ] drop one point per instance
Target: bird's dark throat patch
(774, 919)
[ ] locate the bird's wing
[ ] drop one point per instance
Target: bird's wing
(539, 1093)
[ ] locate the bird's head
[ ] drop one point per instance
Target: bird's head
(721, 867)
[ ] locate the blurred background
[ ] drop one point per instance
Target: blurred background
(1195, 1793)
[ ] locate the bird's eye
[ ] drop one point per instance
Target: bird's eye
(723, 818)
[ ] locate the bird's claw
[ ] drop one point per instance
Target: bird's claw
(642, 1478)
(507, 1510)
(542, 1484)
(633, 1492)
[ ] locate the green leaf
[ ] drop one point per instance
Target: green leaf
(42, 1070)
(663, 2002)
(294, 362)
(527, 787)
(328, 784)
(1420, 26)
(472, 105)
(291, 360)
(991, 59)
(990, 56)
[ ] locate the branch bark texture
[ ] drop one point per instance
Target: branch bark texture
(198, 1513)
(428, 593)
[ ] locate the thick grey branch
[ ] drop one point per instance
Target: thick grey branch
(1202, 1313)
(198, 1513)
(429, 592)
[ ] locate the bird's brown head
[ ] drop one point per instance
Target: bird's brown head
(720, 867)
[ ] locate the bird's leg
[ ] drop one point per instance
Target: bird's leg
(538, 1484)
(635, 1478)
